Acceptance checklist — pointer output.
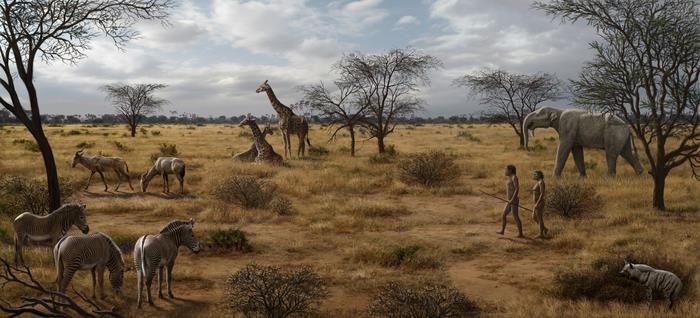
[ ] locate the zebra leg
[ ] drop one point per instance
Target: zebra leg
(103, 178)
(149, 279)
(89, 179)
(170, 278)
(119, 180)
(160, 282)
(100, 279)
(18, 251)
(67, 277)
(92, 271)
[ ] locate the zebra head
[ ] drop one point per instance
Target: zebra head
(189, 239)
(630, 271)
(144, 182)
(78, 216)
(76, 158)
(116, 277)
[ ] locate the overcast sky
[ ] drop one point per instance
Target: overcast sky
(216, 52)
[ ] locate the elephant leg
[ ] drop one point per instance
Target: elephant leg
(562, 156)
(632, 159)
(577, 152)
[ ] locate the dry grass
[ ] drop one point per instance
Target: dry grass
(350, 217)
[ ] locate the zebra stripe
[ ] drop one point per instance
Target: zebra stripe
(657, 280)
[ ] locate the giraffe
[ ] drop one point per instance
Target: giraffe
(252, 152)
(265, 152)
(289, 122)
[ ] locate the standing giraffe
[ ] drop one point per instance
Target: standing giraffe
(265, 151)
(289, 122)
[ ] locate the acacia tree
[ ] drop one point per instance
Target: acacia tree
(134, 102)
(509, 96)
(58, 30)
(385, 84)
(341, 108)
(645, 69)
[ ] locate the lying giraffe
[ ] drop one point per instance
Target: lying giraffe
(265, 152)
(252, 152)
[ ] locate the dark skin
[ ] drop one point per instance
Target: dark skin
(512, 205)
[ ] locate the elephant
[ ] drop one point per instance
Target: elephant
(579, 128)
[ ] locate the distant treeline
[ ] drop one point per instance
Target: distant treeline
(6, 117)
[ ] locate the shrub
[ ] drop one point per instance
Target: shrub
(245, 134)
(120, 146)
(380, 159)
(411, 257)
(318, 151)
(281, 206)
(125, 242)
(397, 300)
(573, 199)
(85, 145)
(229, 239)
(21, 194)
(429, 169)
(155, 132)
(246, 191)
(143, 131)
(590, 165)
(73, 132)
(468, 136)
(270, 292)
(165, 150)
(29, 145)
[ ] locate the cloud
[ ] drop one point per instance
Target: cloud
(404, 21)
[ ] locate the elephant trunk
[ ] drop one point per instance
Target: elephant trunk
(526, 131)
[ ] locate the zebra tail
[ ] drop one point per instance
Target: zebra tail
(143, 256)
(57, 260)
(127, 166)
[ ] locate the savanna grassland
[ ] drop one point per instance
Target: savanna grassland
(350, 213)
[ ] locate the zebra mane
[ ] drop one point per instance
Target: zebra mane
(173, 225)
(66, 207)
(115, 247)
(643, 268)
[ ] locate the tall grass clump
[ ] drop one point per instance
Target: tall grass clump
(429, 169)
(21, 194)
(429, 300)
(227, 239)
(165, 150)
(246, 191)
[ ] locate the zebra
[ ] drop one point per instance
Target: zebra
(153, 252)
(655, 280)
(48, 229)
(94, 252)
(163, 166)
(100, 164)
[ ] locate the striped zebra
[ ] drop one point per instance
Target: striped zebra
(153, 252)
(655, 280)
(48, 229)
(94, 252)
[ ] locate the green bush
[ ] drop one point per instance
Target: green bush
(281, 206)
(268, 291)
(120, 146)
(165, 150)
(411, 256)
(245, 191)
(428, 300)
(85, 145)
(468, 136)
(229, 239)
(318, 151)
(29, 145)
(245, 134)
(428, 169)
(155, 132)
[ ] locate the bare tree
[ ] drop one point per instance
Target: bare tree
(58, 30)
(646, 69)
(341, 107)
(386, 83)
(41, 301)
(509, 96)
(134, 102)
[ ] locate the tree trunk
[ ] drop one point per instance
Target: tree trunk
(51, 172)
(380, 143)
(522, 140)
(133, 130)
(352, 141)
(659, 186)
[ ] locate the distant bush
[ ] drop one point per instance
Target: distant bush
(601, 281)
(268, 291)
(125, 242)
(537, 146)
(398, 300)
(29, 145)
(120, 146)
(143, 131)
(155, 132)
(410, 256)
(165, 150)
(468, 136)
(73, 132)
(228, 239)
(21, 194)
(85, 145)
(573, 199)
(246, 191)
(281, 206)
(428, 169)
(318, 151)
(245, 134)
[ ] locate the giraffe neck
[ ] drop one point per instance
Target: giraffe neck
(258, 137)
(281, 109)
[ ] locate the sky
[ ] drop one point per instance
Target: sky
(214, 53)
